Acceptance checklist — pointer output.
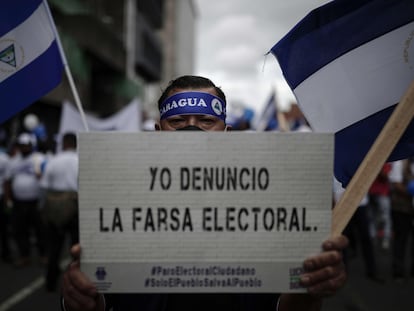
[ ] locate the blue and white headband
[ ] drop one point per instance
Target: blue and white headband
(193, 103)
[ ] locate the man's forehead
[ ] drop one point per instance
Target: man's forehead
(209, 90)
(198, 116)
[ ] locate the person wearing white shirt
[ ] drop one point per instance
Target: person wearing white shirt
(357, 231)
(22, 190)
(400, 176)
(59, 185)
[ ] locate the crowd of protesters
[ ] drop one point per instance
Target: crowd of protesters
(384, 220)
(38, 205)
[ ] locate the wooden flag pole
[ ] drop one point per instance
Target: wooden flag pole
(283, 123)
(373, 162)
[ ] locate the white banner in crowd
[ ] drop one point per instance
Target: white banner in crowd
(126, 120)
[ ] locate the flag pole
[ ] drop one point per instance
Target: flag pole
(263, 123)
(67, 69)
(373, 162)
(283, 123)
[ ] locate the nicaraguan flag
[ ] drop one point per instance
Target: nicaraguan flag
(268, 118)
(30, 62)
(348, 63)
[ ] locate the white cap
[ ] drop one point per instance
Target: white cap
(30, 122)
(149, 125)
(25, 139)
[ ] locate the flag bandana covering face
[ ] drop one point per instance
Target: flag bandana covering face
(30, 62)
(348, 63)
(185, 103)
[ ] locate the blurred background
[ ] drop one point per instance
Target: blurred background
(127, 51)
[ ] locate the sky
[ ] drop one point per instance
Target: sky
(233, 37)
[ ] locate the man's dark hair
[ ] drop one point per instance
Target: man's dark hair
(190, 82)
(69, 140)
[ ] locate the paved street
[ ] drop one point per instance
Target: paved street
(23, 289)
(363, 294)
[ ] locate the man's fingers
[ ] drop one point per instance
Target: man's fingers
(328, 287)
(77, 279)
(76, 301)
(338, 243)
(326, 281)
(78, 297)
(79, 293)
(322, 260)
(75, 251)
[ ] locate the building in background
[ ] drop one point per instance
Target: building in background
(117, 51)
(178, 37)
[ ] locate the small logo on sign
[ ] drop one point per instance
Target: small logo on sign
(294, 275)
(100, 273)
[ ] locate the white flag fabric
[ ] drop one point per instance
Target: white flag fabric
(126, 120)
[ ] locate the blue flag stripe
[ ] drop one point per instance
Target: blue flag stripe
(14, 12)
(328, 25)
(31, 82)
(354, 142)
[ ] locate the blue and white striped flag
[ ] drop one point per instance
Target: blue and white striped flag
(348, 63)
(30, 62)
(268, 119)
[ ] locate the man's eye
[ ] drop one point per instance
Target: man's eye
(175, 121)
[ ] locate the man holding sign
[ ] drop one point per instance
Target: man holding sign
(324, 273)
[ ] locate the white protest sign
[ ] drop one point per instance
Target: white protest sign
(202, 212)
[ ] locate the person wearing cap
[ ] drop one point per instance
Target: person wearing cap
(22, 191)
(195, 103)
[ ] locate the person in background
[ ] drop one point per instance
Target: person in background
(380, 203)
(22, 189)
(59, 186)
(402, 192)
(358, 230)
(324, 273)
(4, 211)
